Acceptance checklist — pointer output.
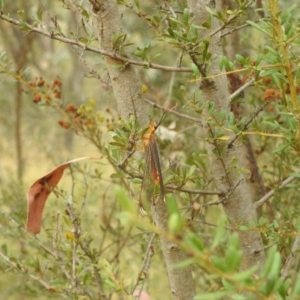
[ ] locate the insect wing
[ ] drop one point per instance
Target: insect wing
(152, 184)
(155, 166)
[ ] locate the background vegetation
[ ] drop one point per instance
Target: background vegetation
(228, 149)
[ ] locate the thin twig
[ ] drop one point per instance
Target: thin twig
(288, 263)
(262, 200)
(264, 248)
(121, 245)
(207, 223)
(176, 113)
(31, 236)
(256, 175)
(54, 253)
(200, 192)
(243, 87)
(172, 79)
(230, 19)
(83, 243)
(62, 265)
(171, 9)
(19, 267)
(247, 124)
(237, 28)
(223, 199)
(219, 153)
(92, 71)
(145, 266)
(122, 164)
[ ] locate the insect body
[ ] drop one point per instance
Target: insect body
(152, 185)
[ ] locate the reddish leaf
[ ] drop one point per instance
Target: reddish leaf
(39, 192)
(142, 296)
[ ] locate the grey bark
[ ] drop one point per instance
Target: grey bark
(124, 81)
(238, 206)
(127, 91)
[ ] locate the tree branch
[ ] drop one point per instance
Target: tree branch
(262, 200)
(145, 266)
(243, 87)
(230, 20)
(176, 113)
(238, 207)
(247, 124)
(85, 47)
(199, 192)
(127, 90)
(288, 263)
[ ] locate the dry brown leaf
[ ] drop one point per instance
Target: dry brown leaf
(39, 192)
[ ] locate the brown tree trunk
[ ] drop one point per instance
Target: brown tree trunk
(238, 206)
(127, 90)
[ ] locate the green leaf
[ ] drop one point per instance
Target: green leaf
(276, 265)
(297, 224)
(296, 290)
(85, 13)
(276, 80)
(195, 70)
(238, 297)
(281, 147)
(233, 254)
(124, 201)
(168, 179)
(194, 242)
(211, 107)
(210, 11)
(83, 40)
(220, 233)
(240, 59)
(287, 14)
(172, 205)
(21, 14)
(268, 72)
(192, 170)
(118, 66)
(183, 264)
(296, 175)
(269, 262)
(224, 138)
(186, 15)
(258, 27)
(177, 21)
(221, 62)
(227, 285)
(137, 4)
(173, 222)
(245, 276)
(25, 26)
(218, 263)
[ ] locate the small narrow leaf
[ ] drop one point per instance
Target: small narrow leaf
(253, 24)
(281, 147)
(195, 70)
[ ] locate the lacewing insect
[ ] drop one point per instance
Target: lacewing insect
(152, 179)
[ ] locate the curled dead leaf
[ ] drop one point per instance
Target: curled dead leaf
(39, 192)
